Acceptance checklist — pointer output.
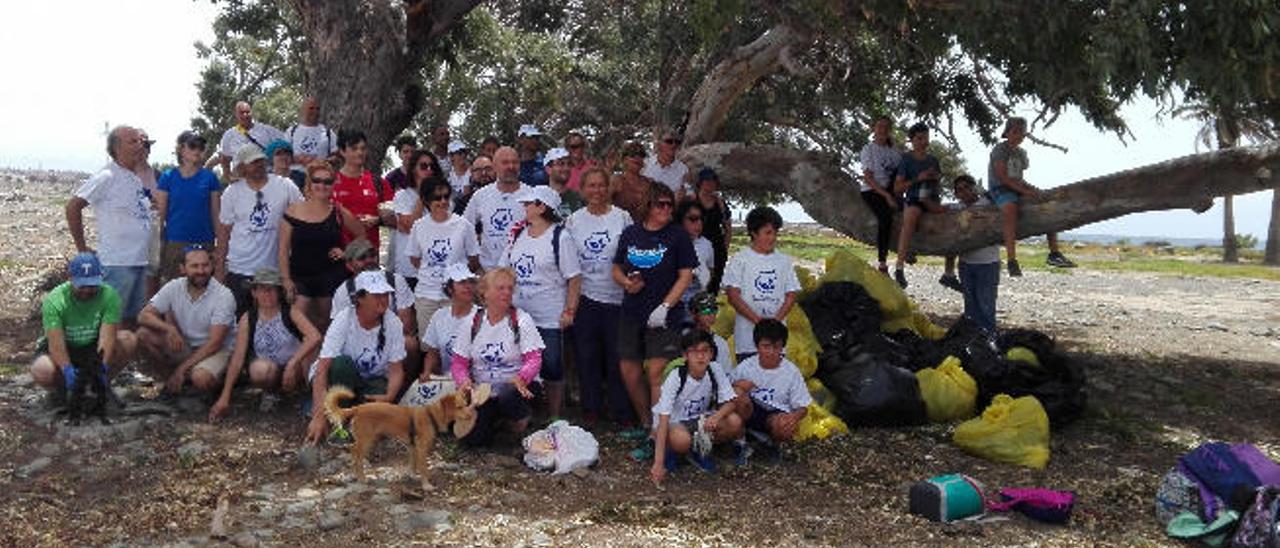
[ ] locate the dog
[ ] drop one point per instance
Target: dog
(84, 377)
(416, 427)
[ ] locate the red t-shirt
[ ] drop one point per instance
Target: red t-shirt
(360, 197)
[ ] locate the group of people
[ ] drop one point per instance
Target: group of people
(911, 181)
(509, 266)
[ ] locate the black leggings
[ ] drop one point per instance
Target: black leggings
(884, 215)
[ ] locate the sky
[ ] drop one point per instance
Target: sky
(133, 62)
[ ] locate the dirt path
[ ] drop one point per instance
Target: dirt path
(1171, 362)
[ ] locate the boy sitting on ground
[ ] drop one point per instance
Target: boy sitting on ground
(686, 416)
(771, 390)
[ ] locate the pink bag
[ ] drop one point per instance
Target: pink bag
(1044, 505)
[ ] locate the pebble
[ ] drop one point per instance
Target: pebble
(307, 493)
(332, 519)
(244, 540)
(1216, 326)
(34, 467)
(192, 449)
(308, 457)
(301, 507)
(427, 519)
(50, 449)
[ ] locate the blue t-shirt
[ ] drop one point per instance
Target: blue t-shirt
(910, 167)
(658, 256)
(189, 218)
(532, 172)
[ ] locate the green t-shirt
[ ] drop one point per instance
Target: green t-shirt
(79, 320)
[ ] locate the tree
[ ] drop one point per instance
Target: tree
(787, 77)
(1272, 253)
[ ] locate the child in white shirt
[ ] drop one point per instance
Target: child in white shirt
(771, 390)
(696, 403)
(759, 281)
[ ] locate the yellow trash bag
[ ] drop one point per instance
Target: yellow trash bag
(1022, 354)
(724, 319)
(821, 396)
(802, 347)
(845, 266)
(948, 392)
(808, 282)
(925, 328)
(818, 423)
(1015, 431)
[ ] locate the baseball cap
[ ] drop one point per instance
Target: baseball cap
(356, 248)
(553, 155)
(373, 281)
(458, 272)
(267, 276)
(529, 130)
(456, 146)
(543, 194)
(85, 270)
(191, 138)
(247, 154)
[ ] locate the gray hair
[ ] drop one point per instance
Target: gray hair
(113, 140)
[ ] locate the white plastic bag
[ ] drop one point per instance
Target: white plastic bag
(560, 448)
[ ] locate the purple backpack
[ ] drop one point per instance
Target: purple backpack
(1044, 505)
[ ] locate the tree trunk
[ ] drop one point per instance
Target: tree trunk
(364, 58)
(1272, 255)
(1229, 252)
(732, 77)
(830, 195)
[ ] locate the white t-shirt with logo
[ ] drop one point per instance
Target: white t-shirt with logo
(405, 202)
(706, 260)
(497, 212)
(263, 134)
(764, 281)
(346, 337)
(458, 183)
(495, 357)
(694, 401)
(672, 175)
(123, 212)
(255, 224)
(779, 389)
(541, 284)
(438, 245)
(216, 306)
(318, 141)
(442, 329)
(595, 237)
(342, 297)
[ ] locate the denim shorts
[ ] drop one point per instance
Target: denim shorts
(130, 282)
(1001, 195)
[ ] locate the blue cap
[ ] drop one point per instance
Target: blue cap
(278, 144)
(85, 270)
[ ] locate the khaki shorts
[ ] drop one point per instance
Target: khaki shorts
(215, 365)
(425, 308)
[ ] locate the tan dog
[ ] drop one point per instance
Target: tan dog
(416, 427)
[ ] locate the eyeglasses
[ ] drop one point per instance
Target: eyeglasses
(663, 203)
(694, 218)
(439, 197)
(424, 165)
(322, 180)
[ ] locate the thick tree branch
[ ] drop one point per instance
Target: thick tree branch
(831, 197)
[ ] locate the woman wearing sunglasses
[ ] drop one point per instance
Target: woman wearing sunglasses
(654, 264)
(436, 240)
(311, 266)
(408, 208)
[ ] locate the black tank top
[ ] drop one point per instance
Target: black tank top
(311, 244)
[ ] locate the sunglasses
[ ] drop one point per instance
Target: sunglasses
(322, 180)
(194, 146)
(708, 311)
(424, 165)
(663, 203)
(146, 143)
(439, 197)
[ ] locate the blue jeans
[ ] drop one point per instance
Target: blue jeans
(595, 338)
(553, 355)
(980, 282)
(130, 282)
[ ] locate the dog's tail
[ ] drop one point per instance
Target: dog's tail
(336, 395)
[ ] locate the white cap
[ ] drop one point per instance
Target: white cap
(458, 272)
(553, 155)
(544, 194)
(247, 154)
(528, 130)
(456, 146)
(373, 281)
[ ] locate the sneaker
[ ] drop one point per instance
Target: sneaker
(901, 277)
(340, 437)
(950, 281)
(1059, 260)
(644, 452)
(741, 452)
(911, 257)
(703, 462)
(1015, 271)
(883, 268)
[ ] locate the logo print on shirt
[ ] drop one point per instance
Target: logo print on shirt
(439, 252)
(500, 221)
(258, 217)
(142, 206)
(596, 242)
(427, 391)
(645, 258)
(367, 362)
(764, 395)
(492, 353)
(695, 407)
(524, 266)
(767, 281)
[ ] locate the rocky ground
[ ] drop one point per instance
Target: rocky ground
(1172, 361)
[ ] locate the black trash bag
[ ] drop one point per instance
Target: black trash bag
(886, 349)
(979, 357)
(870, 392)
(841, 313)
(1058, 382)
(918, 352)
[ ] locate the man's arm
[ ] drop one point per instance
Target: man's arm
(211, 346)
(75, 222)
(162, 209)
(58, 347)
(107, 341)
